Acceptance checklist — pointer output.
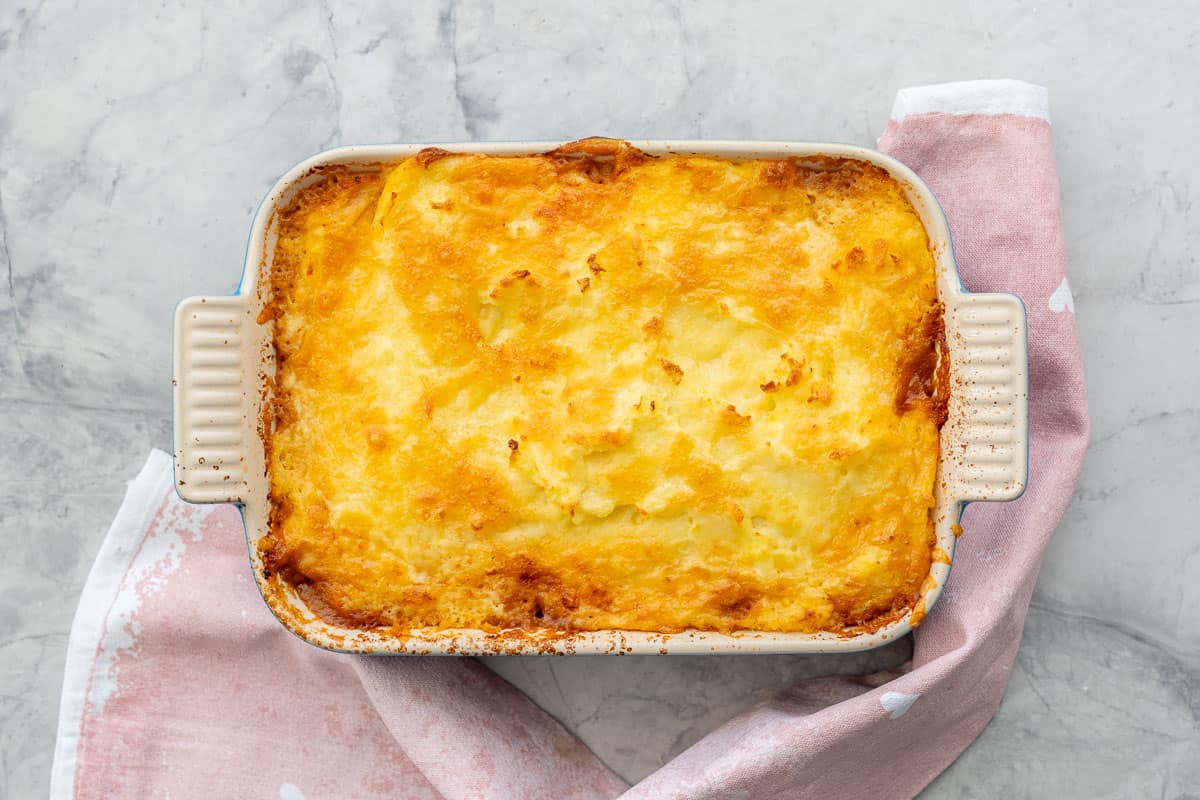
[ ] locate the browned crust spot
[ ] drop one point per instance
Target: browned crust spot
(428, 156)
(731, 417)
(924, 374)
(821, 393)
(795, 369)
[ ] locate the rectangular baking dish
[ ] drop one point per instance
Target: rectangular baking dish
(223, 363)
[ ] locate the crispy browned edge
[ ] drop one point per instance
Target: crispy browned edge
(925, 384)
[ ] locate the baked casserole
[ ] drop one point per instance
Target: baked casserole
(595, 389)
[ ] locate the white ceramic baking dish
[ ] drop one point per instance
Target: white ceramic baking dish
(224, 358)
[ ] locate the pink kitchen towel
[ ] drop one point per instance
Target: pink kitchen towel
(179, 682)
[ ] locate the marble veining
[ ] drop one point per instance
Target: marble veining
(137, 139)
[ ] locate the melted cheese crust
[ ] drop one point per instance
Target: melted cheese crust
(595, 389)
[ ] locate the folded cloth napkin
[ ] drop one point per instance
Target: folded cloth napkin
(179, 683)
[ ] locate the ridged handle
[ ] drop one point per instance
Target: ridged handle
(987, 431)
(214, 403)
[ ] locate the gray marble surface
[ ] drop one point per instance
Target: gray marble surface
(136, 139)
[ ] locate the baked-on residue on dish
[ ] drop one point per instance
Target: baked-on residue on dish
(596, 389)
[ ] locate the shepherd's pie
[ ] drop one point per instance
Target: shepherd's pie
(596, 389)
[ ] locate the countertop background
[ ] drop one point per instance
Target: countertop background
(137, 139)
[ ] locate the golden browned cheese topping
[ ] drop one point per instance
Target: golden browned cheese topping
(595, 389)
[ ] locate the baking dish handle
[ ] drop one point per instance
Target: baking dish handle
(986, 437)
(215, 403)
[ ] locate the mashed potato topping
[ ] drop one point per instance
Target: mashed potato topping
(596, 389)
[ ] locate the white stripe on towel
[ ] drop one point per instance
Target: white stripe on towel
(973, 97)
